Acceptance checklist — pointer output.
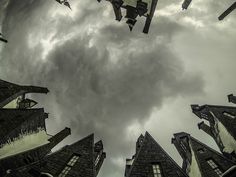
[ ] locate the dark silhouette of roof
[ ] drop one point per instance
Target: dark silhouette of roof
(56, 162)
(133, 11)
(65, 2)
(149, 153)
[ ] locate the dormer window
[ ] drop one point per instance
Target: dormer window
(156, 170)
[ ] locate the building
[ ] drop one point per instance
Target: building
(135, 8)
(25, 145)
(83, 158)
(199, 160)
(221, 125)
(150, 160)
(12, 94)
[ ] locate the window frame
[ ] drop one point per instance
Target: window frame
(157, 170)
(214, 166)
(69, 164)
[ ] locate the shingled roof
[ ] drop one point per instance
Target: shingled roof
(149, 154)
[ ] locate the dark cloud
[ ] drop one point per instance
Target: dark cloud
(101, 77)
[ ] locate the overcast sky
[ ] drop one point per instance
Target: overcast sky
(117, 84)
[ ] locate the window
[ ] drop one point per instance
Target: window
(69, 165)
(97, 159)
(218, 172)
(73, 160)
(183, 146)
(212, 164)
(214, 167)
(156, 170)
(65, 171)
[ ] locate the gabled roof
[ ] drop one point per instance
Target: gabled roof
(85, 165)
(151, 153)
(10, 91)
(55, 163)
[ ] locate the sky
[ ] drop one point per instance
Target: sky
(106, 80)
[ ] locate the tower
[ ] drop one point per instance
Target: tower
(150, 160)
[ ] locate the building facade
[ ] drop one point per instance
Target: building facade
(199, 159)
(25, 145)
(220, 125)
(150, 160)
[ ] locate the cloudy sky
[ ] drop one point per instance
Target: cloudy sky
(117, 84)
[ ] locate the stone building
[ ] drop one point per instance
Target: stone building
(199, 160)
(221, 125)
(151, 160)
(12, 94)
(25, 145)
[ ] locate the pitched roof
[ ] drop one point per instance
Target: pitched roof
(151, 153)
(57, 161)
